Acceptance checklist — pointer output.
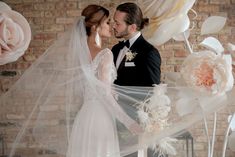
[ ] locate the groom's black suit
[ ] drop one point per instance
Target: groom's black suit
(146, 68)
(145, 72)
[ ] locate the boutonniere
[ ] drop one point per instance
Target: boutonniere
(130, 55)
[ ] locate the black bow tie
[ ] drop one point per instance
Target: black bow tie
(126, 43)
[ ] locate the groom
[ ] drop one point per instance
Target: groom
(137, 61)
(141, 65)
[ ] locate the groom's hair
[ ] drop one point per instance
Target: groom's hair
(134, 15)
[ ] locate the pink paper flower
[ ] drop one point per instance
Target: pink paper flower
(207, 72)
(11, 34)
(15, 35)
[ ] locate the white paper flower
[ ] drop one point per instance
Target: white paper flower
(213, 24)
(207, 72)
(213, 44)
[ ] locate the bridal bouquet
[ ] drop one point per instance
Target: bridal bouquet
(153, 116)
(15, 34)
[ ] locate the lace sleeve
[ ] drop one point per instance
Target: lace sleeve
(106, 70)
(107, 74)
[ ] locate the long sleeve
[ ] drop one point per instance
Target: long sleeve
(106, 70)
(152, 66)
(107, 74)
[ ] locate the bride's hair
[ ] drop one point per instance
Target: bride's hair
(94, 15)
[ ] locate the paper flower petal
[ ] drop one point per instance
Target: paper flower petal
(180, 37)
(207, 72)
(165, 18)
(156, 8)
(228, 60)
(166, 9)
(187, 6)
(4, 45)
(213, 24)
(213, 44)
(4, 6)
(170, 28)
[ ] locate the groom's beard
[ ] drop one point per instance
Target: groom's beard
(122, 34)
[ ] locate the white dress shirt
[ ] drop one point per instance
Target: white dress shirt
(123, 51)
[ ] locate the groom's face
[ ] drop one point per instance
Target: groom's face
(121, 29)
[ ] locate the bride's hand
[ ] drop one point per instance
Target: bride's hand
(135, 129)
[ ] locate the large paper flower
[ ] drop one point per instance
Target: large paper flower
(207, 72)
(168, 19)
(15, 34)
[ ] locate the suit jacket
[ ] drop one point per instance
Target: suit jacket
(146, 71)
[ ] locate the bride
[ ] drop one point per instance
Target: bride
(68, 102)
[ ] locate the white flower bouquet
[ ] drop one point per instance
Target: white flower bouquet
(153, 116)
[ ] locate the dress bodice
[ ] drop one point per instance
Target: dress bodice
(104, 60)
(105, 71)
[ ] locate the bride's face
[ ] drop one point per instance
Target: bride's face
(105, 29)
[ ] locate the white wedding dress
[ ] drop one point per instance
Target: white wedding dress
(94, 132)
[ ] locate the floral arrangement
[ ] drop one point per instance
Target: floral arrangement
(130, 55)
(207, 75)
(15, 34)
(153, 115)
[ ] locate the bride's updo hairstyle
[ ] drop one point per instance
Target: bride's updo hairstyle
(94, 15)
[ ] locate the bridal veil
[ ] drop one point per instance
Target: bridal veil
(51, 92)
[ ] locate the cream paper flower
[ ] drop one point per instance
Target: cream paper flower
(207, 72)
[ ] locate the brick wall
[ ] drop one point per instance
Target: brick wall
(50, 18)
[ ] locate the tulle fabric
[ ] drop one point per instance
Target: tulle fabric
(61, 107)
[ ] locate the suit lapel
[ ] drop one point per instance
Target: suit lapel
(122, 64)
(134, 48)
(137, 44)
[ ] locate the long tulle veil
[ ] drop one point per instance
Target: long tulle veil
(51, 92)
